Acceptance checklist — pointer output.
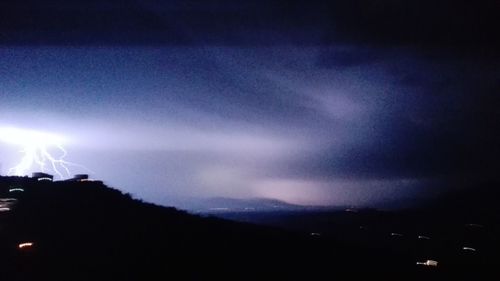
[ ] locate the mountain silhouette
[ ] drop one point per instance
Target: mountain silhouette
(84, 230)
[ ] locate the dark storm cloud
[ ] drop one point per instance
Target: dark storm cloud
(409, 151)
(306, 101)
(455, 25)
(155, 22)
(350, 56)
(439, 120)
(425, 24)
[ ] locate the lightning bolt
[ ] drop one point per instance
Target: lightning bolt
(36, 151)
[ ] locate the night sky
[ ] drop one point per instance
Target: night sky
(350, 102)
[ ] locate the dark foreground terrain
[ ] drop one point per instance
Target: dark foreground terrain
(87, 231)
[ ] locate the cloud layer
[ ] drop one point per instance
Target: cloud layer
(339, 103)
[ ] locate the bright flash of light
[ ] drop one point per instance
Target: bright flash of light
(35, 149)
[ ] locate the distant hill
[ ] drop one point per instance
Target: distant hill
(224, 204)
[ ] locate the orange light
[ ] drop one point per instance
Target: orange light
(25, 245)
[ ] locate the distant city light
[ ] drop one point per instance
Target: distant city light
(475, 225)
(469, 249)
(86, 180)
(432, 263)
(25, 245)
(424, 237)
(8, 200)
(396, 234)
(44, 179)
(16, 190)
(4, 209)
(219, 209)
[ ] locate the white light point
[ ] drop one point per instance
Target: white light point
(432, 263)
(35, 147)
(25, 245)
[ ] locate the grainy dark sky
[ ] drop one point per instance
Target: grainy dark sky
(350, 102)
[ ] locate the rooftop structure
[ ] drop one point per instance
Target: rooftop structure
(42, 176)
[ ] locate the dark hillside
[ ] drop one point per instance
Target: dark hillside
(88, 231)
